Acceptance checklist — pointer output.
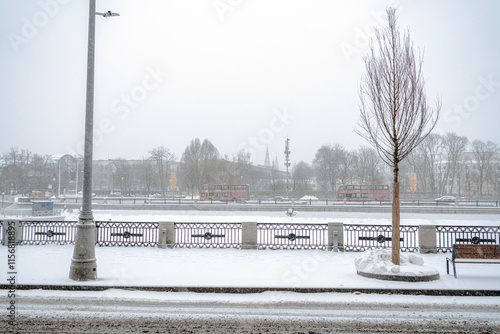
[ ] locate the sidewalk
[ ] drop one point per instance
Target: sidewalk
(223, 270)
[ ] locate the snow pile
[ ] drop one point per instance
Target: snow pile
(308, 197)
(378, 263)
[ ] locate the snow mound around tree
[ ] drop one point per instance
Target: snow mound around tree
(378, 264)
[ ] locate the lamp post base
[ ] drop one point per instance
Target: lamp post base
(83, 264)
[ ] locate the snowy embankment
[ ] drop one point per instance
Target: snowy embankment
(142, 266)
(378, 264)
(194, 267)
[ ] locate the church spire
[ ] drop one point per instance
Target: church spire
(267, 162)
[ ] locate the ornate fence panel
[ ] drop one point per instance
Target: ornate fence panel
(143, 234)
(292, 236)
(48, 232)
(208, 235)
(358, 238)
(447, 236)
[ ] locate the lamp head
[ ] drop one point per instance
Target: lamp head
(107, 14)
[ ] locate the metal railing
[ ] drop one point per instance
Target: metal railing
(48, 232)
(267, 201)
(358, 238)
(269, 235)
(208, 235)
(46, 213)
(143, 234)
(30, 213)
(292, 236)
(447, 236)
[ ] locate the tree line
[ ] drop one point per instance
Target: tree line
(444, 164)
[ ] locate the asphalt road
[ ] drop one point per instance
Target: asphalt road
(76, 314)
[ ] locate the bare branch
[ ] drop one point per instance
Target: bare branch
(394, 114)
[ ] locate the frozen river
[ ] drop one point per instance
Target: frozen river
(364, 218)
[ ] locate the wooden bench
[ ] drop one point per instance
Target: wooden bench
(470, 253)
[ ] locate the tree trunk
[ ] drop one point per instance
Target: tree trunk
(395, 224)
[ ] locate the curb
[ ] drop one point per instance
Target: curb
(401, 278)
(249, 290)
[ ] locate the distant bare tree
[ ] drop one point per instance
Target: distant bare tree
(163, 159)
(369, 168)
(395, 117)
(328, 163)
(209, 162)
(431, 150)
(122, 177)
(147, 176)
(190, 166)
(199, 164)
(235, 171)
(302, 174)
(454, 147)
(347, 162)
(483, 153)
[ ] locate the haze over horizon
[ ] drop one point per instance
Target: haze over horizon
(245, 75)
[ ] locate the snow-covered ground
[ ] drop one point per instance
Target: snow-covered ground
(136, 266)
(125, 310)
(119, 311)
(181, 267)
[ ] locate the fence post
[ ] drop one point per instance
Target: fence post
(163, 238)
(338, 230)
(12, 232)
(166, 234)
(249, 235)
(427, 239)
(335, 241)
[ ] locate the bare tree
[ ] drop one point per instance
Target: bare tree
(163, 159)
(431, 150)
(328, 162)
(190, 166)
(483, 153)
(147, 176)
(199, 164)
(235, 171)
(302, 174)
(395, 117)
(209, 161)
(369, 167)
(454, 147)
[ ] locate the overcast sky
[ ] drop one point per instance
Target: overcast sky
(243, 74)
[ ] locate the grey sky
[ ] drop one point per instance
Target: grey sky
(244, 74)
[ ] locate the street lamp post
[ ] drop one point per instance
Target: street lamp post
(83, 264)
(287, 162)
(59, 178)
